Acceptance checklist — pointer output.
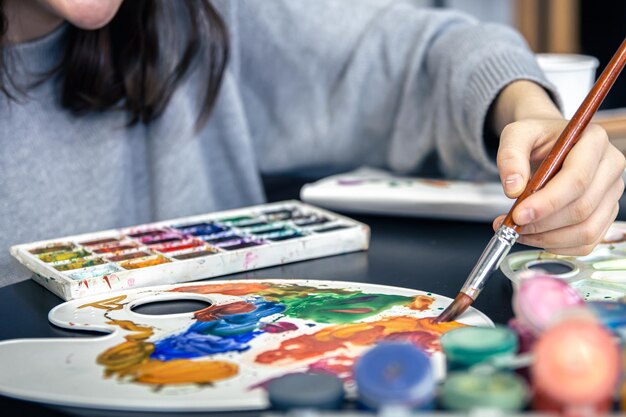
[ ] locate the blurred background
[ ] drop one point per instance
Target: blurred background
(586, 27)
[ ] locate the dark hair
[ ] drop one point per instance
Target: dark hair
(121, 65)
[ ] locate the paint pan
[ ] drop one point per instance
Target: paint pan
(139, 233)
(159, 238)
(177, 246)
(116, 248)
(99, 242)
(599, 276)
(129, 255)
(196, 254)
(201, 229)
(95, 272)
(282, 214)
(191, 248)
(311, 221)
(240, 244)
(63, 256)
(144, 262)
(54, 247)
(83, 263)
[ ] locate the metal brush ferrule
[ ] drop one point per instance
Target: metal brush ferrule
(498, 247)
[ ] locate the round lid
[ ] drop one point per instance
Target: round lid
(576, 362)
(466, 391)
(541, 299)
(394, 373)
(471, 345)
(306, 390)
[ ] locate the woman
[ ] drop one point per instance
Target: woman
(117, 113)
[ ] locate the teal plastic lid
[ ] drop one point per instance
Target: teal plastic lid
(466, 391)
(468, 346)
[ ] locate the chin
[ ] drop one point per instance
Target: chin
(85, 14)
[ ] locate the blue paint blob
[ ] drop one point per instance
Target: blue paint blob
(231, 333)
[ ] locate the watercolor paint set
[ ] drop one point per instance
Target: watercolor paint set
(599, 276)
(192, 248)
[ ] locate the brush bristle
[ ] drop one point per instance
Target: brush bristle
(456, 308)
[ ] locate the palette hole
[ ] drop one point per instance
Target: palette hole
(169, 307)
(552, 267)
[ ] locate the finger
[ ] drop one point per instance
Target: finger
(608, 175)
(586, 249)
(570, 183)
(580, 236)
(498, 222)
(516, 144)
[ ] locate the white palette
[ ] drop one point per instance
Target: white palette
(216, 358)
(599, 276)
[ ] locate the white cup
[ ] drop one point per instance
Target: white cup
(572, 75)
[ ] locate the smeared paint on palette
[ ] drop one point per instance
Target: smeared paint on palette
(190, 248)
(220, 357)
(599, 276)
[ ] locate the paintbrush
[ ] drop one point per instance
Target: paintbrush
(507, 233)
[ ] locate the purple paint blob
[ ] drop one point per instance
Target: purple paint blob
(278, 327)
(350, 181)
(541, 299)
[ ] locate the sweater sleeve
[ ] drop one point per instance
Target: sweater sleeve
(334, 84)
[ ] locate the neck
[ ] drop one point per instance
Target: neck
(28, 20)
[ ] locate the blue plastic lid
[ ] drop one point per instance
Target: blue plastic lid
(394, 374)
(306, 390)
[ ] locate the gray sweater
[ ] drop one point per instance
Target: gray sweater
(311, 85)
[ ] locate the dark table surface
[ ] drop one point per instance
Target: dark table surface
(424, 254)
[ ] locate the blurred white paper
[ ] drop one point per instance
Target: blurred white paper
(374, 191)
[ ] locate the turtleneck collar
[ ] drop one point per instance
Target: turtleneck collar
(28, 60)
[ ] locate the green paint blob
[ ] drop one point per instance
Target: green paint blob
(341, 308)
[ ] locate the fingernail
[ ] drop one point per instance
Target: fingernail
(526, 216)
(513, 183)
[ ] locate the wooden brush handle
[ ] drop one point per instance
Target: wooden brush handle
(573, 131)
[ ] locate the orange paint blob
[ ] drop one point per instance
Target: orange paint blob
(421, 303)
(183, 371)
(341, 336)
(226, 289)
(119, 358)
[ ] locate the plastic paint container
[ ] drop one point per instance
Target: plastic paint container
(541, 299)
(576, 364)
(525, 337)
(468, 346)
(312, 391)
(468, 391)
(611, 314)
(395, 374)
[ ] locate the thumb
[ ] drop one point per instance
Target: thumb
(513, 160)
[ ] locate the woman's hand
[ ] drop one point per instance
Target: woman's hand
(572, 213)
